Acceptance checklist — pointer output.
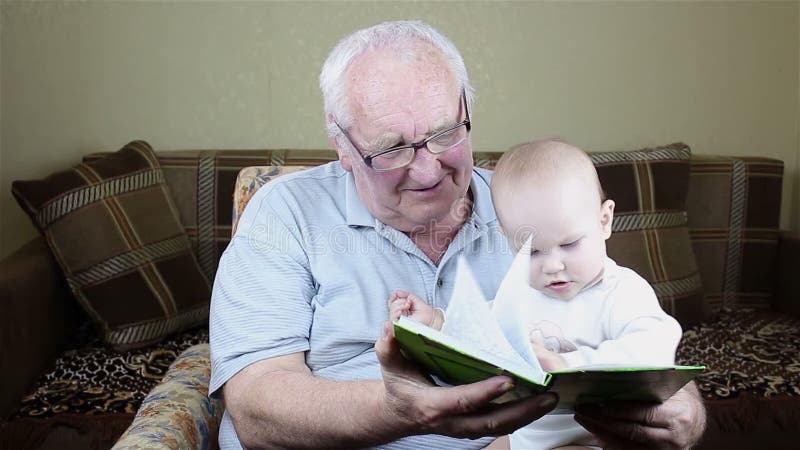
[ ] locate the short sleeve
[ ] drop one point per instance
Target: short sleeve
(261, 301)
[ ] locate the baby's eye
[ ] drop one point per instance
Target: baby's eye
(534, 252)
(571, 244)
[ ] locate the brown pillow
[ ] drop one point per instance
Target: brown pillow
(734, 206)
(111, 225)
(650, 233)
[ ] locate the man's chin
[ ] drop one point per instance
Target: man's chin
(436, 221)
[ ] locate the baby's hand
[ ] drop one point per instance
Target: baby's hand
(549, 360)
(403, 303)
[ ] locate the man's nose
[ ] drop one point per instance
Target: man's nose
(424, 168)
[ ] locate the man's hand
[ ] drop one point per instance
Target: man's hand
(678, 423)
(461, 411)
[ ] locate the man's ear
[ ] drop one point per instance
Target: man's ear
(344, 155)
(607, 217)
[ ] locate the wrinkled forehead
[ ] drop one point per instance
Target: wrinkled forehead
(406, 75)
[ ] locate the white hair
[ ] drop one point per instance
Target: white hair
(400, 36)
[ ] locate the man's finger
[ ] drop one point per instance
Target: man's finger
(620, 434)
(497, 420)
(468, 398)
(651, 415)
(387, 350)
(393, 365)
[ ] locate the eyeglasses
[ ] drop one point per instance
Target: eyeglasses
(402, 155)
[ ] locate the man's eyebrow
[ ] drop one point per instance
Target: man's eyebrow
(447, 124)
(387, 140)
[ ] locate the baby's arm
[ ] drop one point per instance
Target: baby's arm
(637, 330)
(403, 303)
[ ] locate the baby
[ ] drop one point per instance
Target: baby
(581, 308)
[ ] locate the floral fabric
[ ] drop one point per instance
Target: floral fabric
(250, 179)
(178, 414)
(746, 352)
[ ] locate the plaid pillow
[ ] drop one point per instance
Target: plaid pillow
(111, 225)
(650, 233)
(734, 206)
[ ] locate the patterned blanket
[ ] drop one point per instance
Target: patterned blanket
(747, 351)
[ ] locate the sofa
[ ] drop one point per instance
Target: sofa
(704, 230)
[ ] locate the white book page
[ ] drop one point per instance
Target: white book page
(510, 308)
(469, 318)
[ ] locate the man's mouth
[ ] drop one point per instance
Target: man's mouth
(429, 188)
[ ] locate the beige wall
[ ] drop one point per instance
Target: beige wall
(81, 77)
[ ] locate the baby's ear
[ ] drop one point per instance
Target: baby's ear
(607, 217)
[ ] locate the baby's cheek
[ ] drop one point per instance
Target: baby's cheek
(535, 277)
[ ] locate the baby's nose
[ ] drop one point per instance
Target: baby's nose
(552, 264)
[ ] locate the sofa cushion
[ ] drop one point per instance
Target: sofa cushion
(650, 233)
(734, 208)
(90, 396)
(751, 385)
(97, 380)
(745, 351)
(201, 183)
(113, 229)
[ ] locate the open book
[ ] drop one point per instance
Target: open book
(479, 341)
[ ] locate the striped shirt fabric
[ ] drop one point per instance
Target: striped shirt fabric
(310, 270)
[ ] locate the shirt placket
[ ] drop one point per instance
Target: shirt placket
(425, 266)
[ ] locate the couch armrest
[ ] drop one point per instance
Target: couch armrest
(38, 319)
(787, 298)
(178, 414)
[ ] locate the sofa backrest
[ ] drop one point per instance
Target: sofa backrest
(733, 206)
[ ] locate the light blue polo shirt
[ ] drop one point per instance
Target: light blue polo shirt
(311, 270)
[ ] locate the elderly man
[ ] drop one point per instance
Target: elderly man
(300, 347)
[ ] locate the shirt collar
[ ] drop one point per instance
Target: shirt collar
(483, 210)
(357, 212)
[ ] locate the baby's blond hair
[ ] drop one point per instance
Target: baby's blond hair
(542, 161)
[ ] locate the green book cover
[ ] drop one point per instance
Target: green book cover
(479, 341)
(454, 362)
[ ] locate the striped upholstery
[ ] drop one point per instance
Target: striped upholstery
(734, 217)
(112, 227)
(650, 232)
(202, 184)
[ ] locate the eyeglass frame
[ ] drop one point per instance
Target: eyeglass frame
(415, 145)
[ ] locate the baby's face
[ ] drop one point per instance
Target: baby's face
(569, 227)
